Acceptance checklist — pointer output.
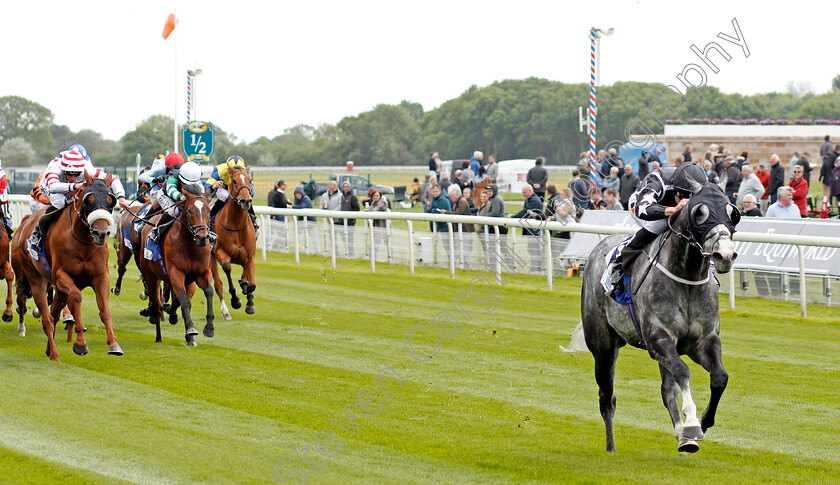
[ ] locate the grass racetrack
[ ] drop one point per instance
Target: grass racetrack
(498, 404)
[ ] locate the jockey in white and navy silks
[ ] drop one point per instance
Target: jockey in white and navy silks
(64, 176)
(663, 192)
(4, 198)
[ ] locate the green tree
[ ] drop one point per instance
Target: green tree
(835, 83)
(17, 152)
(26, 119)
(151, 137)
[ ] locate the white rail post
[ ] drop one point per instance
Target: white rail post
(297, 243)
(512, 231)
(370, 241)
(264, 242)
(388, 235)
(461, 243)
(732, 289)
(332, 240)
(802, 299)
(410, 246)
(499, 255)
(549, 263)
(434, 243)
(451, 250)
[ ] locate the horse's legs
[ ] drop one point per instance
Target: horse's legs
(100, 289)
(206, 283)
(235, 302)
(123, 257)
(66, 288)
(604, 345)
(20, 290)
(248, 284)
(153, 292)
(663, 349)
(59, 302)
(709, 356)
(179, 291)
(9, 275)
(669, 399)
(39, 294)
(217, 285)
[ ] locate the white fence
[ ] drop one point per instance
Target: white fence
(455, 248)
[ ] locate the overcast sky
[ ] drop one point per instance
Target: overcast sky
(270, 65)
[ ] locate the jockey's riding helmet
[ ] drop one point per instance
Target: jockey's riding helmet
(174, 160)
(235, 160)
(190, 176)
(81, 149)
(685, 171)
(71, 162)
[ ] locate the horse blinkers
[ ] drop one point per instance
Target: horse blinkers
(716, 234)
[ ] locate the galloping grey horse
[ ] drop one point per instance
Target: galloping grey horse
(676, 302)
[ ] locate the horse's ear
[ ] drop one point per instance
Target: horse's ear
(699, 214)
(722, 182)
(693, 185)
(108, 178)
(88, 178)
(206, 193)
(734, 214)
(248, 168)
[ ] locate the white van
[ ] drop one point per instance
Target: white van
(513, 174)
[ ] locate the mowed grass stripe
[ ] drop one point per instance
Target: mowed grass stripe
(457, 417)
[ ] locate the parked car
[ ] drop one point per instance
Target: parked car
(360, 185)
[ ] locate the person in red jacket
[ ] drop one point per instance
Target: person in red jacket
(764, 176)
(800, 190)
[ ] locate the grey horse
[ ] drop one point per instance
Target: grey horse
(675, 298)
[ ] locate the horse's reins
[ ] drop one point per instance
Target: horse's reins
(193, 229)
(236, 200)
(654, 260)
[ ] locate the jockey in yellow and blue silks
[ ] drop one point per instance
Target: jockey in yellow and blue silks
(219, 180)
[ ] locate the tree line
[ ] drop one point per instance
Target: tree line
(512, 119)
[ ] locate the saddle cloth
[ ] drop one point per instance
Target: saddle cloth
(623, 298)
(152, 250)
(126, 239)
(39, 257)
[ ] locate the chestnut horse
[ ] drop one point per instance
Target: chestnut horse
(185, 261)
(236, 243)
(6, 272)
(75, 263)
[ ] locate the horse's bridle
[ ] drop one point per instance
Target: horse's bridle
(690, 239)
(80, 213)
(194, 228)
(235, 199)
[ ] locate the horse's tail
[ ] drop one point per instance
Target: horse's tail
(577, 343)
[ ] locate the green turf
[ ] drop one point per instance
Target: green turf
(498, 404)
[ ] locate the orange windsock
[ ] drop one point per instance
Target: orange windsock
(169, 26)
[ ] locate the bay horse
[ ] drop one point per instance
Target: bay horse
(6, 272)
(186, 261)
(236, 243)
(676, 302)
(77, 256)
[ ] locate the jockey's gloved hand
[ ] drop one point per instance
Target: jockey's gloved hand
(123, 203)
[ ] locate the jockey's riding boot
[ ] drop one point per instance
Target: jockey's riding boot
(635, 247)
(36, 240)
(163, 225)
(254, 220)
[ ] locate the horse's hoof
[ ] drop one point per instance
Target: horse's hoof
(236, 303)
(36, 313)
(693, 433)
(166, 307)
(688, 446)
(226, 316)
(143, 296)
(250, 310)
(191, 331)
(191, 341)
(115, 291)
(145, 312)
(208, 331)
(115, 350)
(80, 349)
(8, 318)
